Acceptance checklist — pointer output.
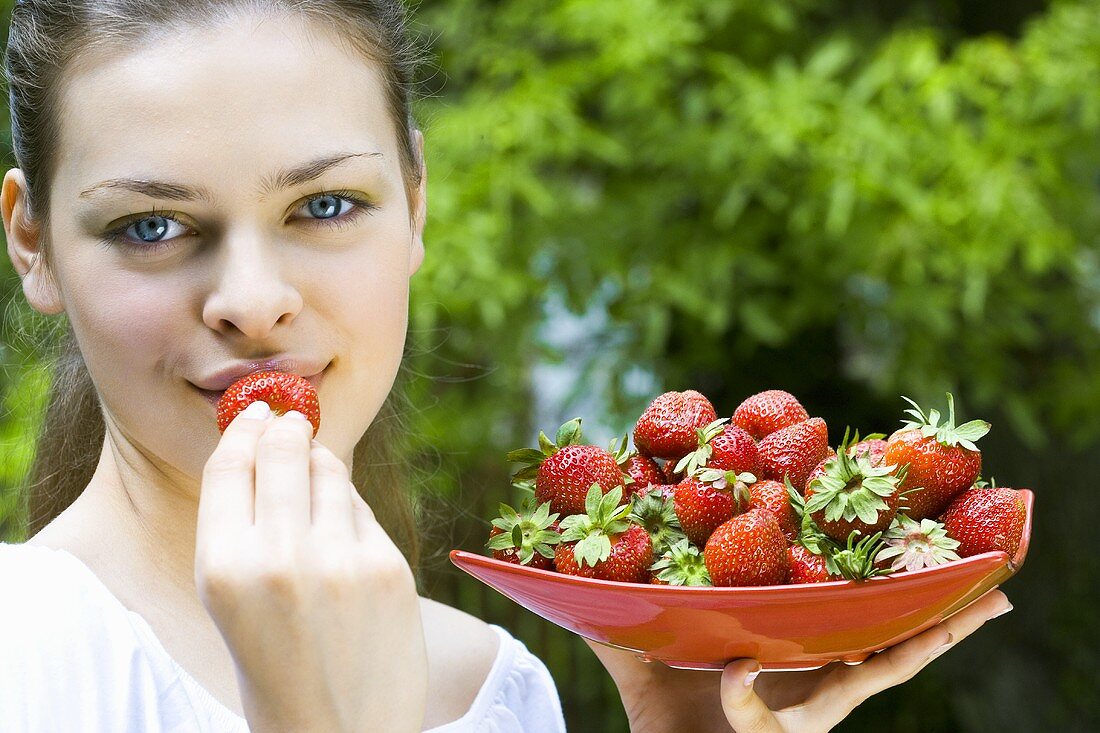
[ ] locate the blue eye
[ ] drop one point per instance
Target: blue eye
(151, 228)
(330, 204)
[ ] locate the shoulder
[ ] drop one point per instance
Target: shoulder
(62, 640)
(501, 683)
(462, 650)
(52, 605)
(40, 585)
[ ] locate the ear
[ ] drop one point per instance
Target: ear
(23, 235)
(416, 255)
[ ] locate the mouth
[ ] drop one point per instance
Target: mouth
(213, 396)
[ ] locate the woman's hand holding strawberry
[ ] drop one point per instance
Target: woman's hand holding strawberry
(315, 602)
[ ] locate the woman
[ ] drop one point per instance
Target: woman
(203, 188)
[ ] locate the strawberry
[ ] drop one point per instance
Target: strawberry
(654, 512)
(983, 520)
(872, 446)
(670, 473)
(943, 460)
(706, 500)
(806, 567)
(525, 537)
(282, 391)
(721, 446)
(747, 550)
(772, 495)
(818, 472)
(564, 470)
(768, 411)
(875, 448)
(602, 543)
(667, 427)
(851, 495)
(644, 471)
(681, 564)
(794, 451)
(914, 545)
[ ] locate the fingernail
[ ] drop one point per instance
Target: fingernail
(1002, 612)
(258, 410)
(751, 676)
(295, 413)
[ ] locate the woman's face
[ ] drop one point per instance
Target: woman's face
(264, 260)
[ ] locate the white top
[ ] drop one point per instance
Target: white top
(73, 658)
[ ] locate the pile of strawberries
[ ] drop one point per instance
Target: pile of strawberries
(759, 498)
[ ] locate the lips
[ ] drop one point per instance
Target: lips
(230, 375)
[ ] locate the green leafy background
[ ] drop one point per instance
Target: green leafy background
(848, 201)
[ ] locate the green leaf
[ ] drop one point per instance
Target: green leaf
(546, 445)
(525, 455)
(569, 433)
(592, 500)
(592, 549)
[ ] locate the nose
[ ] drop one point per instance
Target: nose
(250, 293)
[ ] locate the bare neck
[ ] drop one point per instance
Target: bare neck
(134, 526)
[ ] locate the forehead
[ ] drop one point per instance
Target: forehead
(220, 106)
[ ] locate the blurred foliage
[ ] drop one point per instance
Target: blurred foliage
(847, 201)
(736, 176)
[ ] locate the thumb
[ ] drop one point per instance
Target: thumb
(744, 710)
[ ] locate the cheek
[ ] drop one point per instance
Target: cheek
(123, 319)
(365, 305)
(369, 291)
(371, 301)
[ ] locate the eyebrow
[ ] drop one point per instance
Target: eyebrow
(281, 179)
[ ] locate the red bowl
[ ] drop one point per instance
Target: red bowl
(784, 627)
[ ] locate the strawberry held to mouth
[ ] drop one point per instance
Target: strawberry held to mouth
(282, 391)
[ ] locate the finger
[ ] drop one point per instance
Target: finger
(852, 685)
(282, 476)
(330, 494)
(366, 524)
(744, 710)
(226, 496)
(367, 527)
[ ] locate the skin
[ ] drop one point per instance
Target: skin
(250, 275)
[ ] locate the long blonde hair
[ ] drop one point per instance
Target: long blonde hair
(46, 37)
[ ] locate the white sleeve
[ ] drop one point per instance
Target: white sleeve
(527, 699)
(518, 696)
(70, 661)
